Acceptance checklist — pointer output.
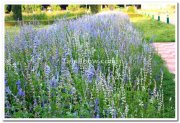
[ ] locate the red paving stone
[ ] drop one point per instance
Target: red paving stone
(167, 52)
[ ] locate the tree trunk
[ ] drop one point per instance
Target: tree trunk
(17, 12)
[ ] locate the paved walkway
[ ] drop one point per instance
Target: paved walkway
(167, 52)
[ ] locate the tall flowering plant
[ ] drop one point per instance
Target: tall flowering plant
(97, 66)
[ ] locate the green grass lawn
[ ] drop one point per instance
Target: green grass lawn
(168, 85)
(16, 29)
(159, 31)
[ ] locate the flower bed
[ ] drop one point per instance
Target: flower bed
(97, 66)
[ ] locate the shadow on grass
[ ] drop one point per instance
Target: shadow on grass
(168, 86)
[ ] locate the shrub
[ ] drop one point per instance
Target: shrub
(131, 9)
(27, 8)
(56, 7)
(36, 8)
(31, 8)
(95, 8)
(73, 7)
(6, 9)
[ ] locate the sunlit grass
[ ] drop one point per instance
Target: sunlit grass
(46, 15)
(159, 31)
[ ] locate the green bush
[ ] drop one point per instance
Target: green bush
(73, 7)
(36, 8)
(6, 8)
(131, 9)
(27, 8)
(55, 7)
(95, 8)
(31, 8)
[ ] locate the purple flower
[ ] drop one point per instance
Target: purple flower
(47, 70)
(21, 92)
(53, 82)
(36, 42)
(8, 106)
(35, 102)
(18, 82)
(8, 91)
(96, 110)
(114, 114)
(5, 82)
(75, 67)
(97, 116)
(90, 73)
(96, 102)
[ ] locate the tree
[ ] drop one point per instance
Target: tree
(17, 12)
(95, 8)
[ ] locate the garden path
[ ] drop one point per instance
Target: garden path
(167, 52)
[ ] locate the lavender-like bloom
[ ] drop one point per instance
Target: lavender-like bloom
(90, 73)
(18, 82)
(47, 70)
(5, 81)
(53, 82)
(75, 67)
(8, 91)
(96, 110)
(21, 92)
(53, 51)
(36, 42)
(35, 102)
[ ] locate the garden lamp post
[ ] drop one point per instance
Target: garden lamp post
(153, 17)
(158, 16)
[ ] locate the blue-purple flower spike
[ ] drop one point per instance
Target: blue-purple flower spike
(21, 92)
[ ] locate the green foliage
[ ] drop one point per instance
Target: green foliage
(17, 12)
(55, 7)
(27, 8)
(112, 7)
(131, 9)
(5, 8)
(73, 7)
(95, 8)
(31, 8)
(36, 8)
(43, 16)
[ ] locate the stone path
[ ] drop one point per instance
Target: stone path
(167, 51)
